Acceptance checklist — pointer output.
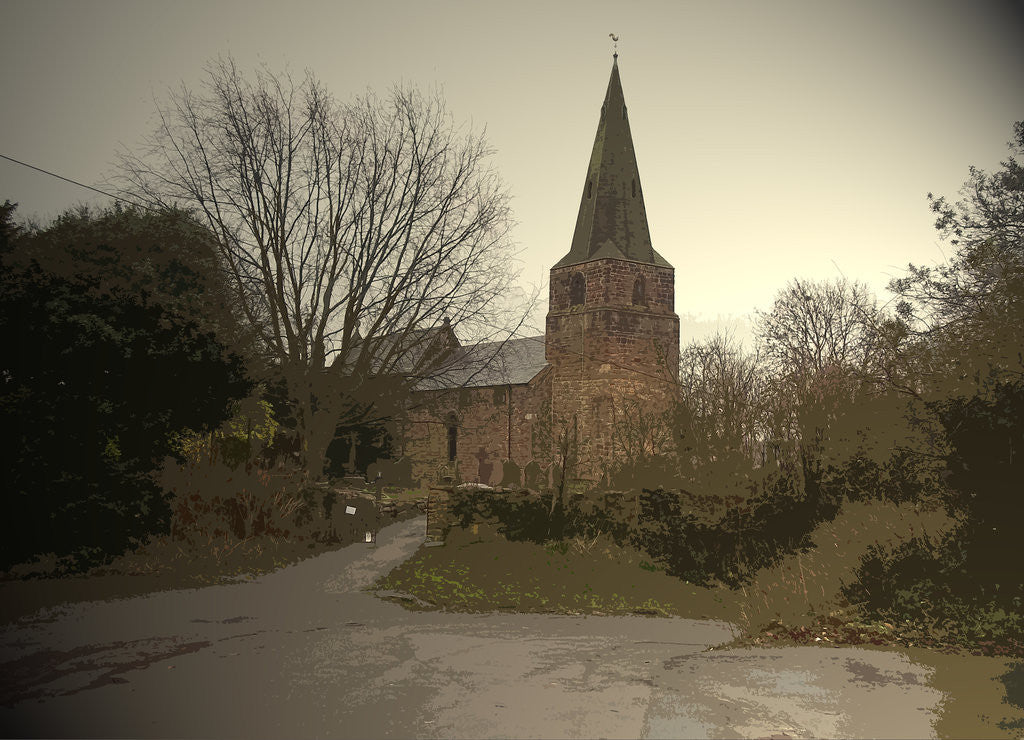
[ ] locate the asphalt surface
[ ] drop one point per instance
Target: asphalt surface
(305, 652)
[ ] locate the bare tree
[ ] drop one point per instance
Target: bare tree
(643, 445)
(348, 232)
(567, 458)
(721, 389)
(639, 434)
(818, 329)
(822, 346)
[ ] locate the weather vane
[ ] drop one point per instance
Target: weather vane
(615, 43)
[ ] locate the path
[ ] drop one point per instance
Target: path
(303, 652)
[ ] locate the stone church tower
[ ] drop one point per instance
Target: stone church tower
(612, 334)
(494, 411)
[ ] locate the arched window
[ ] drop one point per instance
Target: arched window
(590, 188)
(577, 289)
(634, 187)
(453, 437)
(640, 291)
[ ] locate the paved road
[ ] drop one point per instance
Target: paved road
(303, 652)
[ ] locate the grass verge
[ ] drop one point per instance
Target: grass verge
(797, 602)
(478, 570)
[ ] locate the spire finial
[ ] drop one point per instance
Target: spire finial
(615, 45)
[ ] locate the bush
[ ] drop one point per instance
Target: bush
(519, 516)
(212, 500)
(732, 546)
(927, 588)
(985, 431)
(116, 347)
(692, 537)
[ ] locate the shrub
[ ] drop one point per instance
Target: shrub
(120, 339)
(927, 588)
(519, 516)
(697, 537)
(211, 500)
(731, 547)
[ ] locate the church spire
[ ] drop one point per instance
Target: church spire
(612, 221)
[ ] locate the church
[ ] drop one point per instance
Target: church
(610, 350)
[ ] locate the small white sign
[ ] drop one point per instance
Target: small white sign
(369, 536)
(350, 510)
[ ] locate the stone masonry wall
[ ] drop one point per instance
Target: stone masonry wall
(604, 355)
(608, 352)
(493, 421)
(610, 283)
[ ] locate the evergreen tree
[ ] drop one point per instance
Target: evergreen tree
(115, 334)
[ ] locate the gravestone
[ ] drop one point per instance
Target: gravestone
(485, 468)
(511, 474)
(534, 476)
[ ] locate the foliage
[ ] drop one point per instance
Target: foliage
(881, 448)
(241, 439)
(927, 589)
(774, 522)
(967, 315)
(967, 322)
(728, 545)
(986, 436)
(519, 516)
(111, 359)
(960, 361)
(212, 500)
(982, 285)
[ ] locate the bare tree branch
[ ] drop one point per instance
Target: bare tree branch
(345, 230)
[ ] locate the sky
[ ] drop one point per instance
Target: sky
(775, 140)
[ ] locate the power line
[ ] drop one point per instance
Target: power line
(79, 184)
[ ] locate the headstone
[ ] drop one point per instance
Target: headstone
(511, 474)
(484, 467)
(534, 476)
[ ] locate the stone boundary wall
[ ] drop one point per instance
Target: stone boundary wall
(375, 510)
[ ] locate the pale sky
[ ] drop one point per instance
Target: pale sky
(774, 139)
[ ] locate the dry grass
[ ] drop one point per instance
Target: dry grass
(479, 570)
(804, 587)
(211, 559)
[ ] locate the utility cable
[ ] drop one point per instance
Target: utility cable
(79, 184)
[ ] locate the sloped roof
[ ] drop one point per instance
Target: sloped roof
(612, 220)
(401, 352)
(512, 362)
